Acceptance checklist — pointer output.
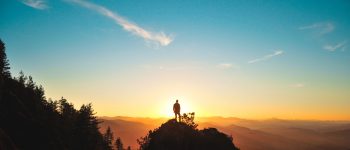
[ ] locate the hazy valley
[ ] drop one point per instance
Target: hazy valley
(248, 134)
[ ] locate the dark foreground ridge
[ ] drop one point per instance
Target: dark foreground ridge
(174, 135)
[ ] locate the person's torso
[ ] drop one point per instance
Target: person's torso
(177, 106)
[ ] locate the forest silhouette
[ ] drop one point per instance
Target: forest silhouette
(31, 121)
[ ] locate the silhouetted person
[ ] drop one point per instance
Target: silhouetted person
(176, 109)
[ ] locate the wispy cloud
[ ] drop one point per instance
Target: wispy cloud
(37, 4)
(227, 66)
(298, 85)
(168, 67)
(333, 48)
(266, 57)
(320, 27)
(159, 38)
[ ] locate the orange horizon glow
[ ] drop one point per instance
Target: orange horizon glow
(164, 110)
(154, 93)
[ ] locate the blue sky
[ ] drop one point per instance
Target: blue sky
(290, 54)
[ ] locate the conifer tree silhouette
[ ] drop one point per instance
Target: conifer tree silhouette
(119, 144)
(4, 63)
(4, 68)
(108, 139)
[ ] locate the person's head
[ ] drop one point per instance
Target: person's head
(177, 101)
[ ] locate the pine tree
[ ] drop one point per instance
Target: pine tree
(4, 64)
(108, 138)
(86, 129)
(119, 144)
(4, 68)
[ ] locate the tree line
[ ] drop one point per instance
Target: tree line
(28, 120)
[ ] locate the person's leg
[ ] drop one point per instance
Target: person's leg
(175, 116)
(179, 117)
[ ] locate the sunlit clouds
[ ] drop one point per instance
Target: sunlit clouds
(159, 38)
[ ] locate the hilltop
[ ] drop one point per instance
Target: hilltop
(174, 135)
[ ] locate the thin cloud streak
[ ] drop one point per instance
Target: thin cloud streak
(266, 57)
(158, 38)
(333, 48)
(37, 4)
(298, 85)
(320, 27)
(227, 66)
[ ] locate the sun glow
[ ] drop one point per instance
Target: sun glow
(167, 107)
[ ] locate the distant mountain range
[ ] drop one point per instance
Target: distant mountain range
(271, 134)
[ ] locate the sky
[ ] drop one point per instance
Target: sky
(248, 59)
